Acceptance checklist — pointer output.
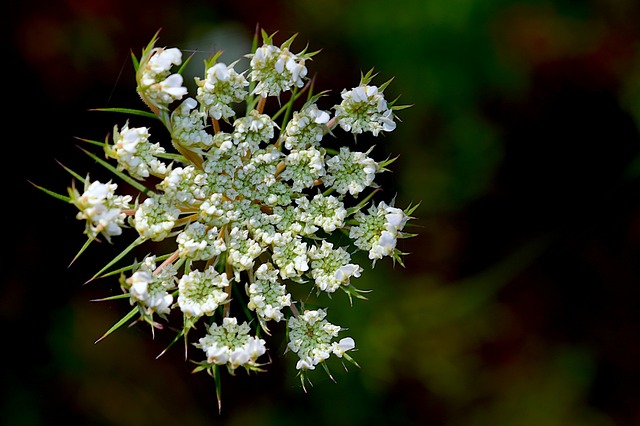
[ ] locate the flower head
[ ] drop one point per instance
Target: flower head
(240, 202)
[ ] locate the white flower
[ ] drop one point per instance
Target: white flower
(151, 290)
(200, 293)
(290, 255)
(101, 208)
(275, 70)
(134, 153)
(303, 168)
(350, 172)
(306, 128)
(378, 230)
(184, 186)
(330, 268)
(200, 242)
(242, 250)
(188, 126)
(364, 109)
(232, 345)
(154, 219)
(221, 87)
(251, 130)
(155, 83)
(311, 338)
(266, 295)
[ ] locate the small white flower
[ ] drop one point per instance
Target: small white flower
(330, 268)
(101, 208)
(135, 154)
(311, 338)
(350, 172)
(200, 242)
(188, 126)
(266, 295)
(364, 109)
(378, 230)
(221, 87)
(200, 293)
(231, 344)
(155, 219)
(151, 290)
(155, 83)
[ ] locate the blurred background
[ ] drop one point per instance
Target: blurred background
(520, 301)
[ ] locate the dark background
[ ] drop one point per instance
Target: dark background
(520, 301)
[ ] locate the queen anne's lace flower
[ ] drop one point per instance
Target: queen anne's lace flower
(330, 268)
(184, 186)
(251, 130)
(154, 219)
(303, 168)
(276, 70)
(290, 254)
(306, 128)
(199, 242)
(267, 296)
(247, 204)
(188, 126)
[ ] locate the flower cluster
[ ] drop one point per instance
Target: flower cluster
(253, 203)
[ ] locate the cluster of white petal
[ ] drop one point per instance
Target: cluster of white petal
(350, 171)
(151, 290)
(135, 154)
(101, 208)
(221, 87)
(311, 338)
(231, 344)
(364, 109)
(201, 292)
(156, 85)
(266, 295)
(246, 203)
(378, 230)
(276, 70)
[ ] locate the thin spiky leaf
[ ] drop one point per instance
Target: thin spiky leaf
(385, 84)
(110, 298)
(127, 111)
(84, 248)
(119, 324)
(134, 60)
(116, 259)
(209, 62)
(288, 42)
(326, 369)
(173, 341)
(53, 194)
(383, 164)
(72, 173)
(366, 78)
